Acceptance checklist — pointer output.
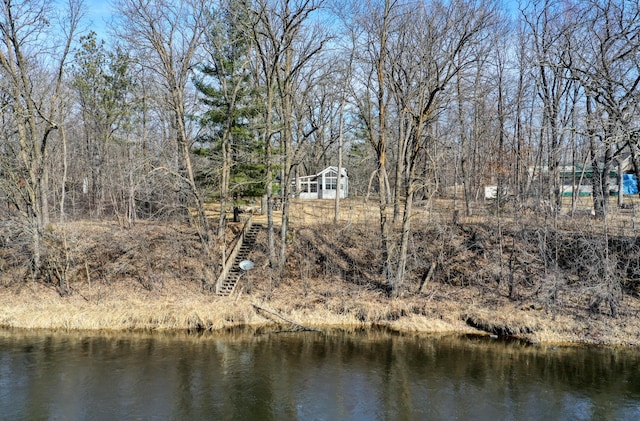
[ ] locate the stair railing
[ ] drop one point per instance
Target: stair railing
(228, 264)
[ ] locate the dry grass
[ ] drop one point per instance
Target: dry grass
(121, 307)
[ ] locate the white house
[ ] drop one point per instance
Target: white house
(321, 185)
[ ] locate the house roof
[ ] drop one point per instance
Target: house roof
(326, 170)
(334, 169)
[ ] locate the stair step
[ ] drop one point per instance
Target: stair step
(235, 273)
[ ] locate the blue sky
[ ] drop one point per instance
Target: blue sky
(98, 14)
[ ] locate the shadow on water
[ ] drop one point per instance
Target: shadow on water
(369, 374)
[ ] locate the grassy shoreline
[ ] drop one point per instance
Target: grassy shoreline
(176, 307)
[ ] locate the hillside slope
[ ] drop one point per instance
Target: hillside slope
(539, 283)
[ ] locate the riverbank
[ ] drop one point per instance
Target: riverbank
(178, 306)
(152, 277)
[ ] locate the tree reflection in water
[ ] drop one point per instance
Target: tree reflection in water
(310, 375)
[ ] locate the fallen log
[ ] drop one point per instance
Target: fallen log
(297, 325)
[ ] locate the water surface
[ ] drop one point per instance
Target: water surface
(309, 376)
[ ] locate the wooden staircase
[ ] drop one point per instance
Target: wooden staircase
(229, 278)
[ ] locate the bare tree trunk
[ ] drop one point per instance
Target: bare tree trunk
(343, 102)
(131, 191)
(404, 242)
(381, 146)
(463, 144)
(63, 181)
(596, 178)
(336, 206)
(286, 97)
(398, 187)
(273, 262)
(224, 189)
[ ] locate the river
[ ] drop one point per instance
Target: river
(309, 376)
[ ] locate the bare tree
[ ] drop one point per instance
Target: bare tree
(341, 126)
(102, 83)
(604, 60)
(548, 29)
(166, 37)
(444, 50)
(373, 22)
(32, 93)
(412, 53)
(285, 45)
(471, 95)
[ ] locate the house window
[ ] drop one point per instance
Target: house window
(313, 187)
(330, 183)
